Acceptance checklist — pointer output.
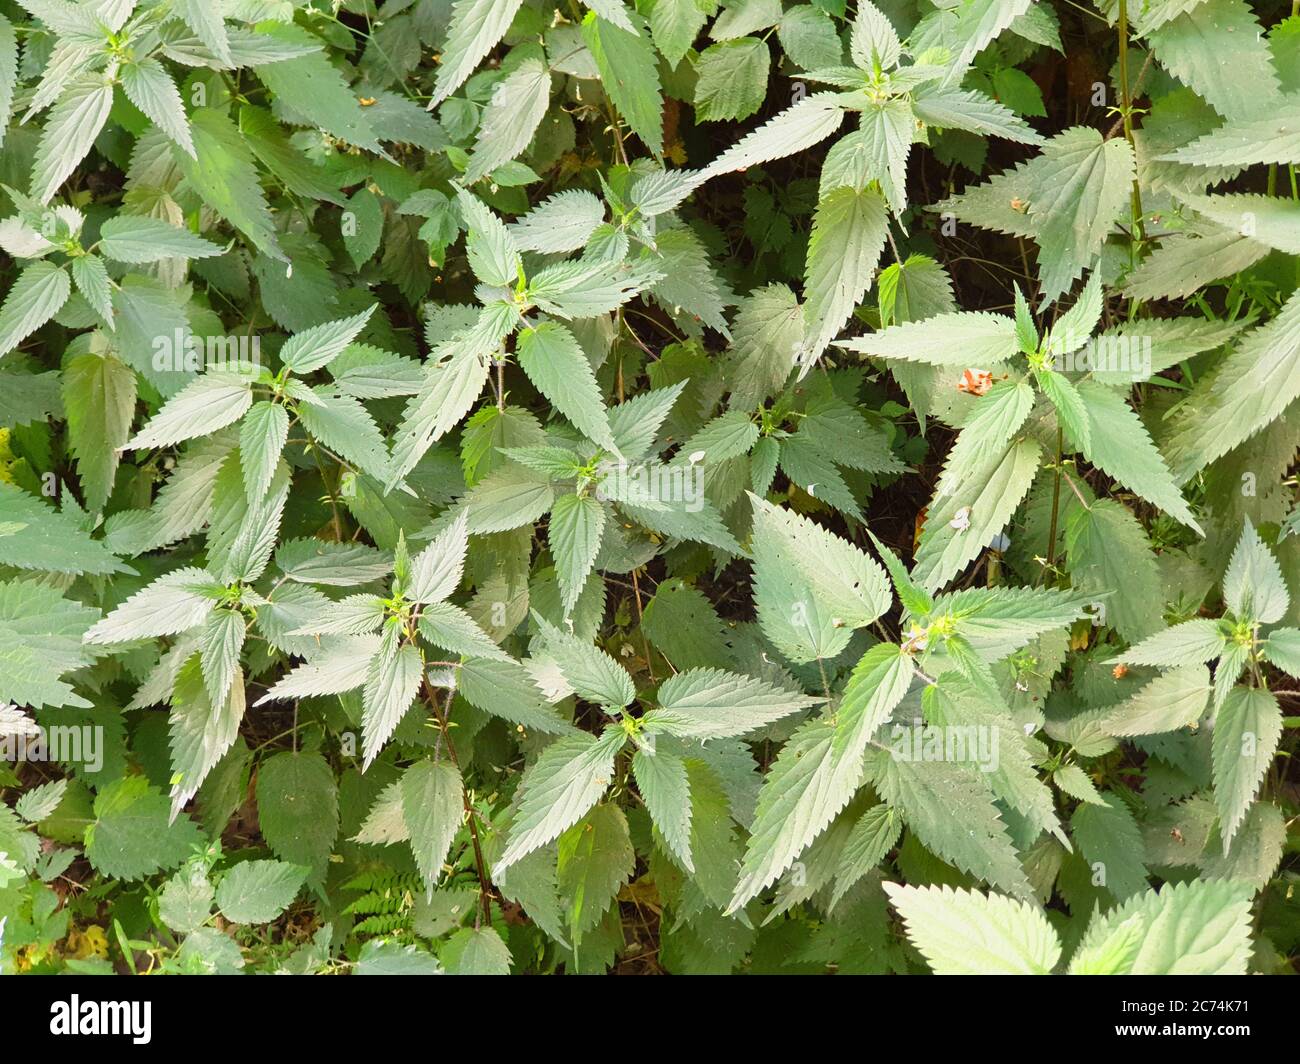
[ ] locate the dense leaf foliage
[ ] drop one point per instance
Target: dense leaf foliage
(649, 485)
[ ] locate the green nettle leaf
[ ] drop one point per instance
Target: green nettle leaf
(212, 401)
(960, 932)
(876, 686)
(1119, 446)
(574, 533)
(732, 79)
(562, 222)
(70, 133)
(1171, 701)
(995, 420)
(805, 790)
(99, 396)
(1070, 408)
(811, 588)
(1109, 840)
(40, 640)
(949, 807)
(506, 689)
(1217, 49)
(256, 892)
(1247, 729)
(1190, 643)
(1245, 392)
(811, 120)
(222, 172)
(36, 296)
(476, 26)
(1253, 587)
(664, 785)
(629, 73)
(556, 364)
(872, 837)
(174, 603)
(137, 240)
(1068, 199)
(517, 108)
(1200, 928)
(1282, 648)
(262, 435)
(346, 428)
(209, 26)
(392, 680)
(964, 339)
(297, 808)
(41, 801)
(311, 86)
(674, 25)
(432, 795)
(977, 509)
(320, 345)
(1110, 558)
(148, 85)
(713, 704)
(567, 779)
(33, 535)
(203, 726)
(595, 858)
(848, 235)
(593, 674)
(130, 836)
(91, 278)
(476, 951)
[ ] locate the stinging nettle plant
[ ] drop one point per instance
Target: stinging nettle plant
(690, 486)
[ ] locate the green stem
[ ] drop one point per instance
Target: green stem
(1126, 114)
(1056, 500)
(480, 866)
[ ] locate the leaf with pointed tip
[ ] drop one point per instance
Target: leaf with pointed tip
(210, 402)
(35, 297)
(629, 73)
(664, 786)
(812, 119)
(558, 789)
(1193, 642)
(148, 85)
(848, 236)
(1120, 447)
(70, 132)
(432, 811)
(392, 680)
(555, 363)
(1253, 586)
(961, 339)
(950, 809)
(961, 932)
(1191, 928)
(99, 397)
(262, 435)
(476, 28)
(1175, 699)
(715, 704)
(1247, 729)
(805, 790)
(574, 534)
(593, 674)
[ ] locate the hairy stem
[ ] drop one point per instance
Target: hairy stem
(1126, 114)
(484, 883)
(1056, 499)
